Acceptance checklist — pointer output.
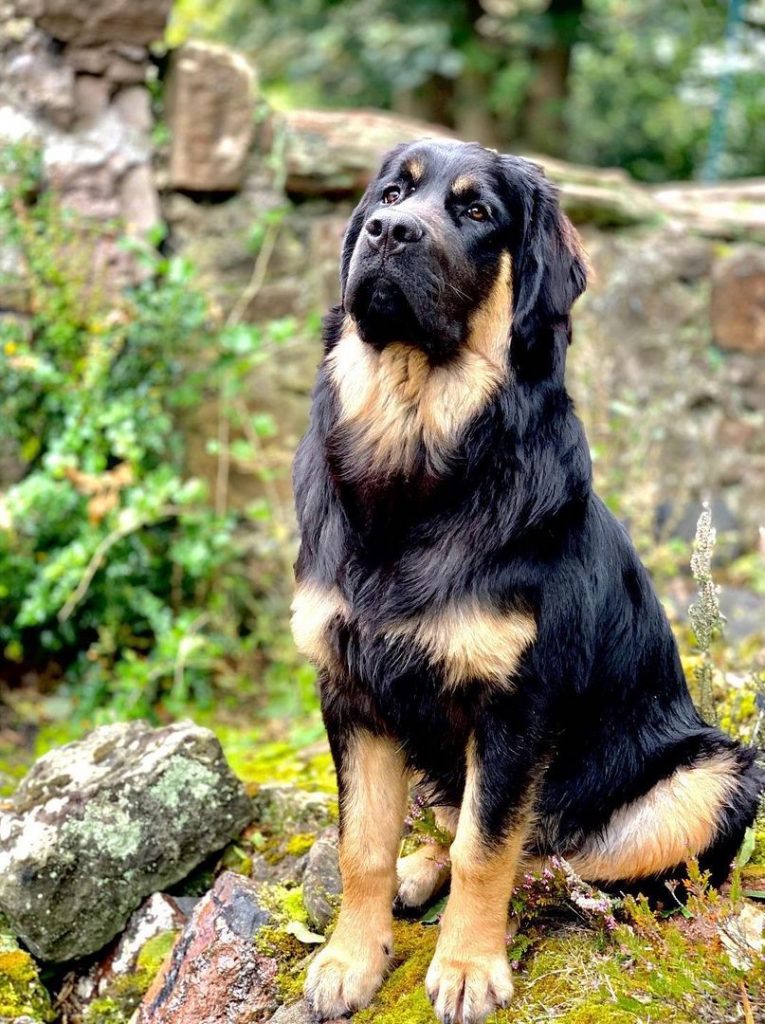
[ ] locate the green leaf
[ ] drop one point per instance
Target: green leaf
(433, 915)
(747, 848)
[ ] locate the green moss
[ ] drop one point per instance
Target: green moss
(286, 904)
(299, 844)
(402, 998)
(599, 1014)
(291, 956)
(154, 953)
(758, 854)
(236, 859)
(651, 969)
(21, 992)
(126, 991)
(104, 1011)
(11, 773)
(257, 763)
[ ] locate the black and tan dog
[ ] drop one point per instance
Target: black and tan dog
(480, 621)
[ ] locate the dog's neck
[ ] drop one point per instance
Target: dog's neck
(395, 405)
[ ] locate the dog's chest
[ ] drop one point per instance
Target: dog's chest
(396, 410)
(457, 641)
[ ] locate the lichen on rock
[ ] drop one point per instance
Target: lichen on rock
(99, 824)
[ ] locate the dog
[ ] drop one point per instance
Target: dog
(480, 622)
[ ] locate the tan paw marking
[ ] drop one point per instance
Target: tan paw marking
(342, 980)
(467, 990)
(422, 874)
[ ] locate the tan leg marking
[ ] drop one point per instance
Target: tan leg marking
(675, 820)
(348, 971)
(313, 608)
(397, 400)
(470, 976)
(472, 642)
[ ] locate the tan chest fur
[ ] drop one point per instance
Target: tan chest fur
(463, 640)
(399, 403)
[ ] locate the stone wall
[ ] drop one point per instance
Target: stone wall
(73, 77)
(668, 366)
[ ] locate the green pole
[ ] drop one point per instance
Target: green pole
(710, 170)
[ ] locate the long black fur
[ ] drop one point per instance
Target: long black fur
(599, 711)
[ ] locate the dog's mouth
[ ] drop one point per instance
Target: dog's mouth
(383, 313)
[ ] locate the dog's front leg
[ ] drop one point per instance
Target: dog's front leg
(372, 782)
(470, 976)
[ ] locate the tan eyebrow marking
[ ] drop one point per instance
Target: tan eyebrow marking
(463, 184)
(415, 168)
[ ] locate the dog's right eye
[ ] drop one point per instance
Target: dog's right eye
(391, 194)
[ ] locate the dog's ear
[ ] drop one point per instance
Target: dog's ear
(360, 214)
(550, 268)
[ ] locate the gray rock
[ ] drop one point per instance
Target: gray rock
(333, 152)
(134, 106)
(120, 21)
(91, 94)
(322, 884)
(744, 613)
(98, 825)
(284, 870)
(91, 60)
(44, 81)
(298, 1013)
(210, 105)
(138, 200)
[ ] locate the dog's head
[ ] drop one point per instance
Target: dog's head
(441, 228)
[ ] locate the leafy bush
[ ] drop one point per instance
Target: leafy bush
(116, 569)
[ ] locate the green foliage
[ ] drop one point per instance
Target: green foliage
(364, 51)
(608, 82)
(654, 74)
(116, 568)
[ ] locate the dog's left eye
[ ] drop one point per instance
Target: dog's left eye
(477, 211)
(391, 194)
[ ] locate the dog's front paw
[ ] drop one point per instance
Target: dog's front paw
(466, 990)
(343, 978)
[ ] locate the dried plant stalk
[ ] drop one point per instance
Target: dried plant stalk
(706, 619)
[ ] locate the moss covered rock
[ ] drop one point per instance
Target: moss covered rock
(322, 884)
(98, 825)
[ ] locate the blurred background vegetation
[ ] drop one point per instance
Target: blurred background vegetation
(131, 586)
(637, 84)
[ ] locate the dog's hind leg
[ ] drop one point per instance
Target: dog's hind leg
(699, 811)
(422, 874)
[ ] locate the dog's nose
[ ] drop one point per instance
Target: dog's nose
(392, 230)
